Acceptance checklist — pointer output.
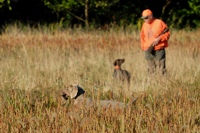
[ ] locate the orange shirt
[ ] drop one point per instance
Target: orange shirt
(151, 31)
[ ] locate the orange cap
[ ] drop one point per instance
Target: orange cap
(146, 13)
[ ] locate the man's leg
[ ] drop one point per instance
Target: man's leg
(151, 66)
(151, 62)
(160, 61)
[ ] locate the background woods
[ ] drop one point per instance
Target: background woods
(98, 13)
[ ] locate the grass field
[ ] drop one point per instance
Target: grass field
(36, 64)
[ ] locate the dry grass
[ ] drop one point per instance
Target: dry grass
(35, 64)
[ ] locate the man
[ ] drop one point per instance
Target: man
(150, 36)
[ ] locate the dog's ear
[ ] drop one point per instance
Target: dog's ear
(122, 60)
(115, 63)
(73, 91)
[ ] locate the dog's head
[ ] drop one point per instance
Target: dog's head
(118, 62)
(71, 91)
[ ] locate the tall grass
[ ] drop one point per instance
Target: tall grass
(37, 63)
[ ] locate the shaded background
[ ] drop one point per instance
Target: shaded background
(176, 13)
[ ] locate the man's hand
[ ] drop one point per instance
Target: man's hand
(156, 41)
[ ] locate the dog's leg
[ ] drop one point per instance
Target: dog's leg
(111, 94)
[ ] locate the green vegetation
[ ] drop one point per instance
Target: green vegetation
(178, 14)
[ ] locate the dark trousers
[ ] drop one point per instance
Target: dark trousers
(156, 61)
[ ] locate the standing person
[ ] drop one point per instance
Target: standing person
(150, 35)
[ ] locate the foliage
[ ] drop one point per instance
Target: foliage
(62, 6)
(5, 3)
(99, 13)
(182, 13)
(193, 12)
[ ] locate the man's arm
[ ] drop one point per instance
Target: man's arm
(166, 35)
(142, 36)
(157, 40)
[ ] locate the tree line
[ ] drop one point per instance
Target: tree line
(98, 13)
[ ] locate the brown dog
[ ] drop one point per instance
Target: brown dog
(121, 74)
(76, 93)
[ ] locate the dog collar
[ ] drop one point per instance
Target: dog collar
(80, 92)
(117, 67)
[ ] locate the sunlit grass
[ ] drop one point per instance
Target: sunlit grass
(35, 64)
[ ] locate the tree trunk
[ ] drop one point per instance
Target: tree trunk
(86, 14)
